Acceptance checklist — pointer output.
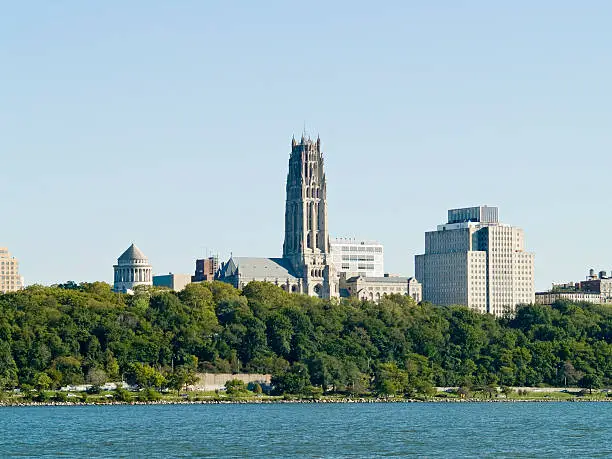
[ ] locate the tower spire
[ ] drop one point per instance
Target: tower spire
(306, 245)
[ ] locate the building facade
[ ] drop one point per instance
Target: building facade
(597, 283)
(206, 269)
(357, 258)
(173, 281)
(132, 269)
(239, 271)
(476, 261)
(10, 280)
(375, 288)
(596, 288)
(549, 298)
(306, 265)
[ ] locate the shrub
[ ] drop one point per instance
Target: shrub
(60, 397)
(149, 395)
(235, 387)
(43, 396)
(122, 395)
(313, 392)
(94, 390)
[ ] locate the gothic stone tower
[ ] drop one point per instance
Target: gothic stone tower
(306, 244)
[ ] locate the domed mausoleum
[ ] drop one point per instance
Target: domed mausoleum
(132, 269)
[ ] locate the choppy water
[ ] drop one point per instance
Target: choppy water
(533, 430)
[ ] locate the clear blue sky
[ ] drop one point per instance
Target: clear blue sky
(169, 124)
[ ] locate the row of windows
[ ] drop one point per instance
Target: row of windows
(389, 289)
(357, 257)
(346, 266)
(361, 248)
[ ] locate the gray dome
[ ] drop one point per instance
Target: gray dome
(132, 253)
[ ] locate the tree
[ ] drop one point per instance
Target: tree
(111, 365)
(327, 371)
(42, 381)
(590, 381)
(390, 380)
(145, 376)
(280, 332)
(314, 392)
(302, 341)
(8, 368)
(60, 396)
(257, 389)
(122, 395)
(96, 376)
(235, 387)
(69, 368)
(568, 374)
(292, 381)
(181, 377)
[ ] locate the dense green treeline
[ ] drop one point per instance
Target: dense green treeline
(54, 336)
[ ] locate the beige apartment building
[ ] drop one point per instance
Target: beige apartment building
(476, 261)
(10, 280)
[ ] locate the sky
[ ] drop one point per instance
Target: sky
(169, 124)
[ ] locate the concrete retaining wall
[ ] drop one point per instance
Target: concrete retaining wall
(214, 381)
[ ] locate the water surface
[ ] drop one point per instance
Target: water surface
(525, 430)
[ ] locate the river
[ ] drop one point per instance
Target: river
(528, 430)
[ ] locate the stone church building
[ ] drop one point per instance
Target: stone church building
(306, 265)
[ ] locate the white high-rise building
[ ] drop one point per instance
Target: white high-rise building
(357, 258)
(474, 260)
(10, 280)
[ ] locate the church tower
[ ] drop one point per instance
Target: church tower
(306, 245)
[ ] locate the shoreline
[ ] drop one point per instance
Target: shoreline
(297, 401)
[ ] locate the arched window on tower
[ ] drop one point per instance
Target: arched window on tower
(309, 215)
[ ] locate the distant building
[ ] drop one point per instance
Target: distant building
(357, 258)
(10, 280)
(205, 269)
(239, 271)
(476, 261)
(132, 269)
(601, 284)
(375, 288)
(306, 265)
(597, 288)
(176, 282)
(575, 297)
